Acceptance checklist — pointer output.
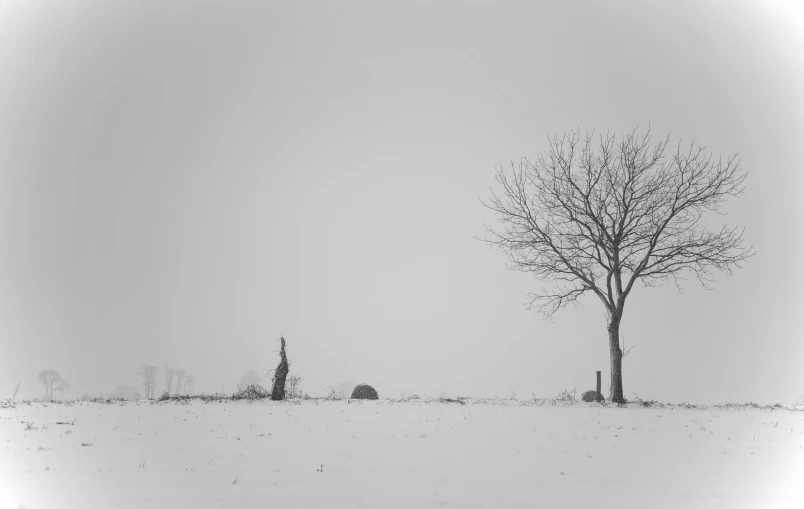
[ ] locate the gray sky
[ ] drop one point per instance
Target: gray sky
(182, 182)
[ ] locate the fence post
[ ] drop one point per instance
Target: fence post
(599, 396)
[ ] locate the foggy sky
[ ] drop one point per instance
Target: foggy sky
(182, 182)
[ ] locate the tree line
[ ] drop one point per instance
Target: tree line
(148, 374)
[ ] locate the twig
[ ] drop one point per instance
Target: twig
(14, 393)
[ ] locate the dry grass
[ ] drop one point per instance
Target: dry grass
(257, 392)
(798, 407)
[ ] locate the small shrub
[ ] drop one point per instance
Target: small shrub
(567, 397)
(589, 396)
(292, 389)
(646, 404)
(334, 394)
(252, 392)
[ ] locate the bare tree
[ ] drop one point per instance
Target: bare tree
(170, 374)
(62, 387)
(14, 392)
(51, 380)
(598, 216)
(180, 374)
(148, 374)
(249, 378)
(189, 383)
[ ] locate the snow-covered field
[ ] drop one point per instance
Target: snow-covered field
(397, 454)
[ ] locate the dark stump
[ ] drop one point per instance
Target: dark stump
(281, 373)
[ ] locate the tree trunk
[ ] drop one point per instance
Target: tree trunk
(616, 355)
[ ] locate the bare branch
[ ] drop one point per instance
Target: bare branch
(625, 349)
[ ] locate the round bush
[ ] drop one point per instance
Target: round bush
(589, 396)
(364, 391)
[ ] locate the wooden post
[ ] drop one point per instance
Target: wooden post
(599, 396)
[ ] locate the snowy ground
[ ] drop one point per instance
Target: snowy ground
(397, 454)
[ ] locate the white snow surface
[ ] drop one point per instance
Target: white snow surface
(485, 454)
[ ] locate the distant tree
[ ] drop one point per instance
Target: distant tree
(180, 375)
(596, 217)
(249, 378)
(189, 383)
(124, 392)
(51, 380)
(62, 387)
(148, 374)
(170, 374)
